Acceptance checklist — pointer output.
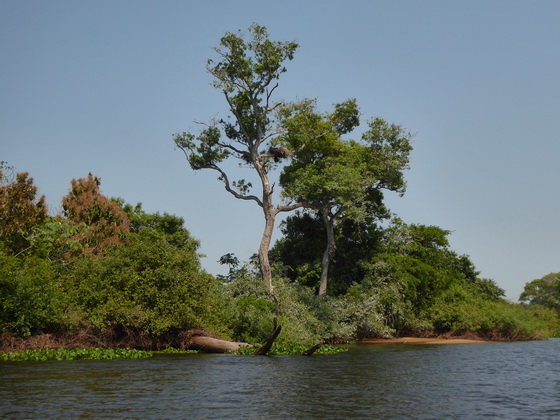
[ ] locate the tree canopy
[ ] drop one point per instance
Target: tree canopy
(544, 291)
(340, 178)
(20, 211)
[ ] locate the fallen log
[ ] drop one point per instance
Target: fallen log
(214, 345)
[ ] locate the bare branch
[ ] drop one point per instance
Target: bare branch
(225, 179)
(265, 138)
(276, 105)
(235, 149)
(288, 207)
(268, 95)
(255, 105)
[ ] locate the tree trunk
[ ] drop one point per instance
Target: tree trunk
(264, 260)
(312, 350)
(329, 250)
(263, 250)
(269, 342)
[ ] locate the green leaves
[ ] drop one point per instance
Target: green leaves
(388, 155)
(153, 284)
(327, 170)
(544, 291)
(249, 66)
(346, 116)
(204, 151)
(30, 295)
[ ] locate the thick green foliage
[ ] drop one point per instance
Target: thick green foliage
(56, 239)
(459, 312)
(544, 291)
(305, 318)
(248, 309)
(152, 284)
(300, 249)
(406, 280)
(30, 295)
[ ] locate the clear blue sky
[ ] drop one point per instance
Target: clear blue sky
(101, 86)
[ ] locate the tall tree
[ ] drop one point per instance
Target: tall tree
(246, 73)
(338, 178)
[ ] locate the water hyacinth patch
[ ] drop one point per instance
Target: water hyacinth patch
(281, 349)
(73, 354)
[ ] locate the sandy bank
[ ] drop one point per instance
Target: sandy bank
(418, 340)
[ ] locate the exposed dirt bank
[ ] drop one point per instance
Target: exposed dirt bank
(112, 337)
(420, 340)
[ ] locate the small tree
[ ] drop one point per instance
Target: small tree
(337, 178)
(105, 223)
(246, 74)
(20, 211)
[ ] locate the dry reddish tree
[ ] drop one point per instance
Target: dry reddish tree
(20, 211)
(106, 224)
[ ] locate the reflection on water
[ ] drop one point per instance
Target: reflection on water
(504, 380)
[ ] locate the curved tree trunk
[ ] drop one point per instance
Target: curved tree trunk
(269, 342)
(329, 250)
(265, 261)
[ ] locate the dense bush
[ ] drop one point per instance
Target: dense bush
(30, 295)
(149, 285)
(101, 264)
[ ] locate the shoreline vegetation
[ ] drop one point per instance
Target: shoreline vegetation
(44, 347)
(77, 284)
(86, 346)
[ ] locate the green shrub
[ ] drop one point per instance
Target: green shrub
(494, 319)
(31, 297)
(150, 285)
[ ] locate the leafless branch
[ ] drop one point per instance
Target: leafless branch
(288, 207)
(228, 188)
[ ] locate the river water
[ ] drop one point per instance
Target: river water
(501, 380)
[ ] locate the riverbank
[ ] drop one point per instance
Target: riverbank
(421, 340)
(120, 338)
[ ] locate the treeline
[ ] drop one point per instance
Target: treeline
(103, 269)
(106, 273)
(398, 279)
